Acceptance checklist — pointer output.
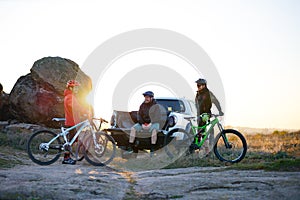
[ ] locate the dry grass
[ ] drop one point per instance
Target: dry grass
(278, 141)
(279, 151)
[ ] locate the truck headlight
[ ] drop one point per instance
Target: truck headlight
(172, 121)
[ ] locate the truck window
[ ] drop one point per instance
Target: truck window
(193, 107)
(172, 105)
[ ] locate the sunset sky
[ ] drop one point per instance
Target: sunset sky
(254, 44)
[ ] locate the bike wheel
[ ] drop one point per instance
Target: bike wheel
(177, 142)
(99, 150)
(231, 146)
(38, 152)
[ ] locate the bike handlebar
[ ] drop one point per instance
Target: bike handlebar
(100, 119)
(210, 114)
(215, 115)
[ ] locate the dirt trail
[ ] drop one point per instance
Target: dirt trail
(83, 181)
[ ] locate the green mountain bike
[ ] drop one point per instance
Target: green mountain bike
(229, 145)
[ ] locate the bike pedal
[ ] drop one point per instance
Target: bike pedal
(194, 146)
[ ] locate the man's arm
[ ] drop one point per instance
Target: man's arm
(139, 117)
(197, 105)
(215, 101)
(158, 114)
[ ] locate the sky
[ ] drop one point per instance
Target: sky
(255, 45)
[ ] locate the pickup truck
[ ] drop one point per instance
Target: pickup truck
(177, 110)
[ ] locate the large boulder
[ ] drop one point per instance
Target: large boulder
(39, 96)
(4, 106)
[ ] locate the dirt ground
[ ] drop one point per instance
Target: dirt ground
(83, 181)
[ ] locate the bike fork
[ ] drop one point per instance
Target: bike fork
(227, 145)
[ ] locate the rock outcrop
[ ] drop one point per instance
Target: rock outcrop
(82, 181)
(4, 106)
(38, 96)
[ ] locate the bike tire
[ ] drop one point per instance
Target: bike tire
(101, 153)
(237, 149)
(43, 156)
(175, 147)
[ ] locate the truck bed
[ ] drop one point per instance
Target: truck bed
(121, 136)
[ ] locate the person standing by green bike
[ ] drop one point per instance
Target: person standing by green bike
(204, 100)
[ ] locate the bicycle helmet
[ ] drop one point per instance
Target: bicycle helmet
(72, 83)
(201, 81)
(148, 93)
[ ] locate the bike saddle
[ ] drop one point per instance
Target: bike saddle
(58, 119)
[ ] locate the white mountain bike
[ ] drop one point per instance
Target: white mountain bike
(45, 147)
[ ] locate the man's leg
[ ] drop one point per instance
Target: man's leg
(153, 129)
(134, 129)
(154, 136)
(67, 157)
(206, 143)
(211, 139)
(132, 135)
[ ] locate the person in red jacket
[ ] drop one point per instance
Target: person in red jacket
(73, 112)
(71, 103)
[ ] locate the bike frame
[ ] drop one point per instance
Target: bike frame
(211, 124)
(65, 132)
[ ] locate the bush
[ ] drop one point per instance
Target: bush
(16, 140)
(279, 133)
